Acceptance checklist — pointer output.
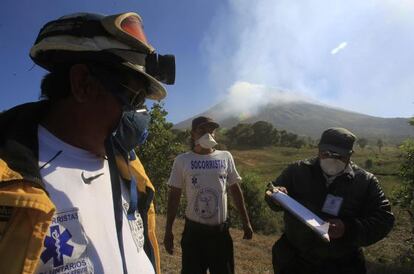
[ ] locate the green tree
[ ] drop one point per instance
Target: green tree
(288, 139)
(275, 137)
(158, 153)
(362, 143)
(221, 138)
(182, 136)
(240, 135)
(262, 134)
(380, 144)
(283, 138)
(405, 196)
(298, 143)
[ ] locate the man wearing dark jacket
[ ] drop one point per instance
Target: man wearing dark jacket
(343, 194)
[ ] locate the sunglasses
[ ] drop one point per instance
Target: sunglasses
(131, 98)
(330, 154)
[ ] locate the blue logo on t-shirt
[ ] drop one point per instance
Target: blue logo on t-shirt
(57, 246)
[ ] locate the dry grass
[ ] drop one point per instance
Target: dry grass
(389, 256)
(253, 256)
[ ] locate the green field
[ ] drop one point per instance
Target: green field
(269, 162)
(391, 255)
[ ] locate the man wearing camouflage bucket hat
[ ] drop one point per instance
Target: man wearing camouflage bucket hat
(349, 198)
(74, 197)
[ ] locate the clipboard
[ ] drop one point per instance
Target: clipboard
(306, 216)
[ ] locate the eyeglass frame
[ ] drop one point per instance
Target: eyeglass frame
(105, 75)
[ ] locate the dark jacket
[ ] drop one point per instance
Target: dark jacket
(365, 210)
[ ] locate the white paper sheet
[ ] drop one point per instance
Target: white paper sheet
(303, 214)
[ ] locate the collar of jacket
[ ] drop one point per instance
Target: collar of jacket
(314, 163)
(19, 139)
(134, 167)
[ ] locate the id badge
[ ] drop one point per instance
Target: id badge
(136, 226)
(332, 204)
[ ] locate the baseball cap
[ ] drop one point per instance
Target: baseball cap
(203, 121)
(338, 140)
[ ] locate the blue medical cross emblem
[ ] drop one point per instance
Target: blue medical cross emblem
(57, 246)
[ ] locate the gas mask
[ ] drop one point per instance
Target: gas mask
(332, 166)
(206, 141)
(132, 129)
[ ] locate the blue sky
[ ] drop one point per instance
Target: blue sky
(352, 54)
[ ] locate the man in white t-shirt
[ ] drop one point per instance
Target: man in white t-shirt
(205, 175)
(74, 197)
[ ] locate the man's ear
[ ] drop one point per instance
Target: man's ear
(80, 82)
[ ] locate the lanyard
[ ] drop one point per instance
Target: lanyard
(133, 200)
(133, 192)
(116, 197)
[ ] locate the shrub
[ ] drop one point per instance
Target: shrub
(405, 197)
(369, 163)
(158, 153)
(261, 217)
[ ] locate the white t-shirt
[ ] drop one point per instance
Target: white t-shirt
(82, 237)
(205, 179)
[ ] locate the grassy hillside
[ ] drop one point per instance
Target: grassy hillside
(390, 255)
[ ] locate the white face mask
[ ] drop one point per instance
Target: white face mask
(206, 141)
(332, 166)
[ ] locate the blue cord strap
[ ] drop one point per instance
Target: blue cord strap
(133, 191)
(133, 199)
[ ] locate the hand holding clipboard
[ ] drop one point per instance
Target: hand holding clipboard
(306, 216)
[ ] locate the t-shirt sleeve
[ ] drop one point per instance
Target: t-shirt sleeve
(232, 174)
(176, 177)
